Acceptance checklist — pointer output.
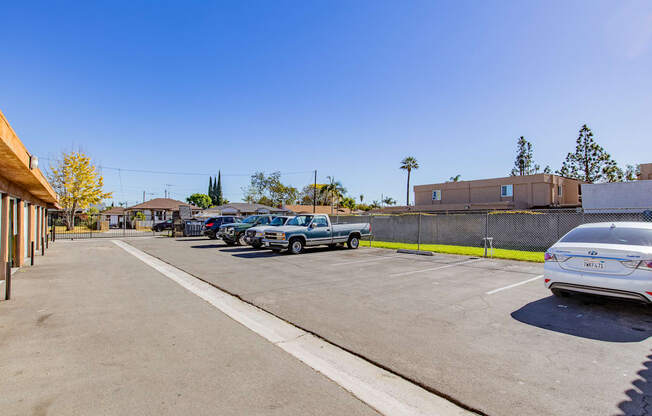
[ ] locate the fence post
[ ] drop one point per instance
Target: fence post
(419, 234)
(486, 233)
(8, 280)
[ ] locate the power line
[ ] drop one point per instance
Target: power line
(180, 173)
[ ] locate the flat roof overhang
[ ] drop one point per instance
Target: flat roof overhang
(14, 167)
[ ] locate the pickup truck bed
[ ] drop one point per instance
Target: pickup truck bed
(314, 231)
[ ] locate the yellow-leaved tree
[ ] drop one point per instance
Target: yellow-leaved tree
(78, 184)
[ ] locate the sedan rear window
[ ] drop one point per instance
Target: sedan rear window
(612, 235)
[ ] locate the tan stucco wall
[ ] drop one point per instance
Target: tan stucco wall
(646, 172)
(528, 191)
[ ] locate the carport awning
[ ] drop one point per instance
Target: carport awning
(14, 166)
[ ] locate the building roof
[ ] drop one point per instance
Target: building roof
(248, 207)
(114, 211)
(167, 204)
(319, 209)
(538, 177)
(15, 166)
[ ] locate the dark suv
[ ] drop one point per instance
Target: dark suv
(212, 225)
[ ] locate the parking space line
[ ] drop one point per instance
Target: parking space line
(434, 268)
(381, 390)
(368, 260)
(500, 289)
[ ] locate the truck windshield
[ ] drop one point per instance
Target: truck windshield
(250, 219)
(301, 220)
(278, 221)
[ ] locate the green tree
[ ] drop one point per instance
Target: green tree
(348, 202)
(335, 190)
(547, 169)
(524, 164)
(210, 189)
(632, 172)
(269, 190)
(202, 201)
(361, 198)
(409, 163)
(389, 201)
(374, 204)
(590, 162)
(77, 183)
(219, 197)
(455, 178)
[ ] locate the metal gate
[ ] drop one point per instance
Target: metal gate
(98, 226)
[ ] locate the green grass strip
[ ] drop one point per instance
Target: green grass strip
(534, 256)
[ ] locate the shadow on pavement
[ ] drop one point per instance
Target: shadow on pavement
(597, 318)
(209, 246)
(640, 397)
(198, 238)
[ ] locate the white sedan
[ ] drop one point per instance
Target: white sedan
(609, 259)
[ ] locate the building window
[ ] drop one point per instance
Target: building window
(506, 190)
(559, 190)
(436, 195)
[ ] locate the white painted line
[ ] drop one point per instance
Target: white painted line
(491, 292)
(434, 268)
(380, 389)
(376, 258)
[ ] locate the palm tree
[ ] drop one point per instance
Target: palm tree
(408, 164)
(335, 190)
(455, 178)
(389, 201)
(361, 198)
(374, 204)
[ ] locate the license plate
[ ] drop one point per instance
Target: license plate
(594, 265)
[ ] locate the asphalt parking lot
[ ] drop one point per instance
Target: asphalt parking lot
(483, 332)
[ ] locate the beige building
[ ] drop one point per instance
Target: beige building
(25, 196)
(513, 192)
(646, 172)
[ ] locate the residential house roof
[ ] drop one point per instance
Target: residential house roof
(114, 211)
(163, 204)
(319, 209)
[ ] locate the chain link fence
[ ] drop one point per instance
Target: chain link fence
(531, 230)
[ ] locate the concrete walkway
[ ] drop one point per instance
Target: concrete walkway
(92, 330)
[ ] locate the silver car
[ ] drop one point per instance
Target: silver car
(609, 259)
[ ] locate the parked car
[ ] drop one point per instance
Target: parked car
(212, 225)
(314, 230)
(254, 236)
(233, 234)
(609, 259)
(165, 225)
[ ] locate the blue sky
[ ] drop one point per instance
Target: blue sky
(347, 88)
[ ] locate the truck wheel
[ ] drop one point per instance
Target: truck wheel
(256, 244)
(353, 242)
(241, 240)
(296, 246)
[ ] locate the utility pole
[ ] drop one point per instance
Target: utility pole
(143, 196)
(314, 194)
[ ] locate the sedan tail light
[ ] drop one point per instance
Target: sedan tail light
(554, 257)
(637, 264)
(210, 224)
(646, 265)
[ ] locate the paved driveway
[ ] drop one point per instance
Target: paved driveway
(483, 332)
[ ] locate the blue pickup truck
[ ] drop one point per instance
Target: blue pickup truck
(314, 230)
